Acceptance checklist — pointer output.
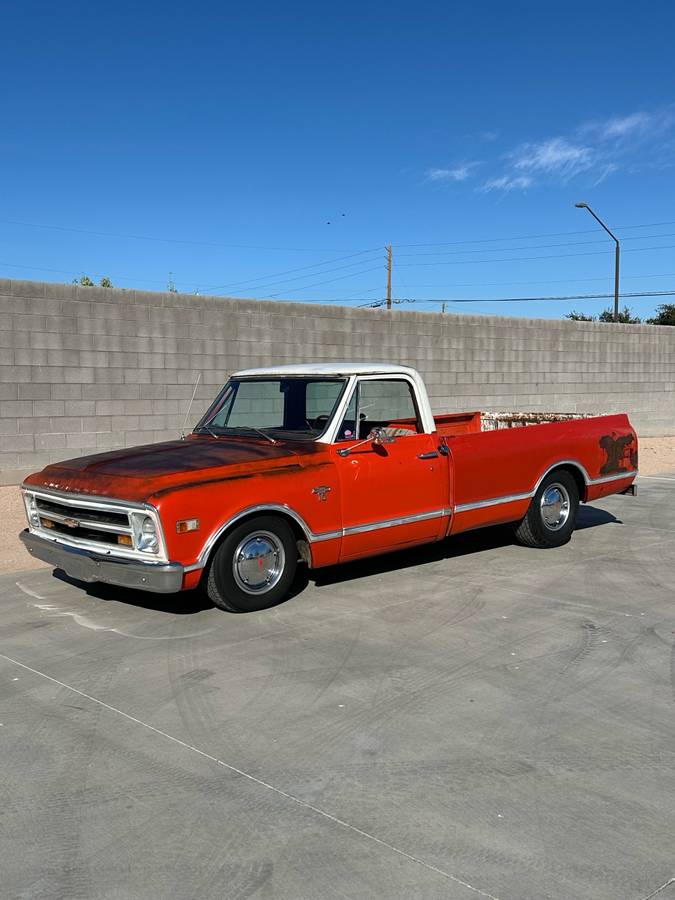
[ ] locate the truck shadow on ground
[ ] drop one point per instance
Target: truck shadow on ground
(479, 541)
(191, 602)
(185, 603)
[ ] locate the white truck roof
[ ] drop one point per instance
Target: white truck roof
(337, 368)
(350, 370)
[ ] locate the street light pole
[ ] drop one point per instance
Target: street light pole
(616, 256)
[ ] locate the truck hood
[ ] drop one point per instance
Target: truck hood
(137, 473)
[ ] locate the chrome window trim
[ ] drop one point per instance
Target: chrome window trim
(424, 413)
(346, 381)
(101, 503)
(328, 437)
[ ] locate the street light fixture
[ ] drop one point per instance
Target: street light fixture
(616, 257)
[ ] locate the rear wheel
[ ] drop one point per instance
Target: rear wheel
(254, 566)
(550, 520)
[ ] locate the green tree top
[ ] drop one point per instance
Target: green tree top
(665, 315)
(607, 315)
(86, 281)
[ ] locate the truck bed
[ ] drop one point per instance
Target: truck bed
(451, 424)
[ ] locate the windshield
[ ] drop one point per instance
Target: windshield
(290, 408)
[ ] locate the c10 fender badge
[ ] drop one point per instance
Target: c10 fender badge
(321, 491)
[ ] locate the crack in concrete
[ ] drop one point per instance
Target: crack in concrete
(658, 890)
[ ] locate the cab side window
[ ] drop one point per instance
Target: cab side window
(380, 403)
(347, 429)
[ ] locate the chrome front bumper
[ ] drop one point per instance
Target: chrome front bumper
(86, 565)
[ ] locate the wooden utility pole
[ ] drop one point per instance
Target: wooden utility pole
(389, 276)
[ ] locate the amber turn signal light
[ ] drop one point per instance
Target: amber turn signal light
(125, 539)
(187, 525)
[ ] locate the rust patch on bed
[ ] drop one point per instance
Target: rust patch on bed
(619, 449)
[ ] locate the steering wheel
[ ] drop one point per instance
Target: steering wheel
(319, 422)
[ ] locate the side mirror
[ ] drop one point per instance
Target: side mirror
(380, 436)
(377, 437)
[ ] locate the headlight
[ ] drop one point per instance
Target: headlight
(31, 510)
(145, 534)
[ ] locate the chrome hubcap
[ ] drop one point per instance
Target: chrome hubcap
(555, 506)
(258, 562)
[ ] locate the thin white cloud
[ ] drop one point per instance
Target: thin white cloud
(595, 149)
(507, 183)
(621, 126)
(609, 169)
(555, 156)
(633, 127)
(460, 172)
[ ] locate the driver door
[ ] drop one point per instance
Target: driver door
(394, 494)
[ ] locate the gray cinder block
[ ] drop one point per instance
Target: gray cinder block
(85, 368)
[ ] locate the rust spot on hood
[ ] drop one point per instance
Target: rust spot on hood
(137, 473)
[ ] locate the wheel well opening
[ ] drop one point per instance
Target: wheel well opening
(296, 528)
(577, 474)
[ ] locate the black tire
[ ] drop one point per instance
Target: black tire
(262, 546)
(539, 527)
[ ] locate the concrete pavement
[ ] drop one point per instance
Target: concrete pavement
(469, 720)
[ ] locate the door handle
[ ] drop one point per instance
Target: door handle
(432, 454)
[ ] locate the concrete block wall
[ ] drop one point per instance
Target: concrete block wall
(89, 369)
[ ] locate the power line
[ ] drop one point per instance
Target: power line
(191, 242)
(563, 298)
(329, 281)
(81, 271)
(457, 284)
(534, 246)
(530, 237)
(467, 262)
(163, 240)
(263, 287)
(231, 284)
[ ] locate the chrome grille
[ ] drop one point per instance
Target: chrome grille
(101, 526)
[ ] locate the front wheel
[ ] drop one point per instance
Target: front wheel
(254, 566)
(550, 520)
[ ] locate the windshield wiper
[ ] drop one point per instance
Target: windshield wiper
(267, 437)
(206, 428)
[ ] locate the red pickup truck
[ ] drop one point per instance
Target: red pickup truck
(316, 464)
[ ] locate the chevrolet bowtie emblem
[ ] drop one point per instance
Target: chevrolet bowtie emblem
(321, 491)
(71, 523)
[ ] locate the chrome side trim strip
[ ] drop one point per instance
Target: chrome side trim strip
(620, 477)
(493, 501)
(392, 523)
(513, 498)
(312, 537)
(251, 510)
(317, 537)
(324, 536)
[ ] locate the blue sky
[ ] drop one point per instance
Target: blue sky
(273, 150)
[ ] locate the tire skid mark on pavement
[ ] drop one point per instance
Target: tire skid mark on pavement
(29, 591)
(258, 781)
(84, 622)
